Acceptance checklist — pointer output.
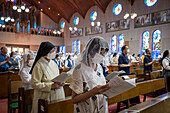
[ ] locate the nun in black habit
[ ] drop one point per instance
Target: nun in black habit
(43, 71)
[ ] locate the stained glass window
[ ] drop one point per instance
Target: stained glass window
(113, 44)
(76, 20)
(156, 43)
(62, 24)
(150, 2)
(145, 41)
(117, 9)
(93, 16)
(74, 46)
(120, 43)
(78, 46)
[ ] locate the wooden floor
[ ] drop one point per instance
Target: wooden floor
(112, 108)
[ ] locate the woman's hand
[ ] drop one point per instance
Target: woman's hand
(56, 85)
(100, 89)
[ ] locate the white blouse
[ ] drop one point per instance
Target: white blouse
(85, 79)
(165, 63)
(26, 77)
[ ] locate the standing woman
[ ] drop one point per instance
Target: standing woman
(88, 82)
(166, 68)
(43, 71)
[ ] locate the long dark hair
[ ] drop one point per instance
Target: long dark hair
(165, 54)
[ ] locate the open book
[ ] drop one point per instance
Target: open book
(113, 74)
(62, 77)
(118, 85)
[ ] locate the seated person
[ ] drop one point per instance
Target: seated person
(5, 62)
(24, 72)
(69, 63)
(14, 61)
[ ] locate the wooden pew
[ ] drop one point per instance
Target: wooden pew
(140, 89)
(4, 77)
(66, 105)
(152, 75)
(25, 100)
(60, 106)
(13, 92)
(159, 104)
(4, 84)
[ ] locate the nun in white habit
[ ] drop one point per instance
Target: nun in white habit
(88, 82)
(25, 75)
(43, 71)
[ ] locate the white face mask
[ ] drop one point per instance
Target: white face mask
(51, 56)
(30, 62)
(128, 51)
(97, 58)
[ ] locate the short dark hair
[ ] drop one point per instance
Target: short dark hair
(123, 47)
(2, 48)
(146, 50)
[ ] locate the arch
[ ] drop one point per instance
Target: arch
(121, 42)
(145, 41)
(156, 43)
(113, 44)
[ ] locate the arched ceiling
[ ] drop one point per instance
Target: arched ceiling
(66, 8)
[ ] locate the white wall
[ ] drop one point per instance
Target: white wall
(133, 35)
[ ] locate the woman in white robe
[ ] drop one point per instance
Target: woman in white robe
(88, 82)
(43, 71)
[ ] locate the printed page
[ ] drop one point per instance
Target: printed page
(113, 74)
(117, 86)
(62, 77)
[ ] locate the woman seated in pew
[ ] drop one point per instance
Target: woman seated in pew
(88, 82)
(165, 61)
(43, 71)
(27, 63)
(14, 61)
(114, 59)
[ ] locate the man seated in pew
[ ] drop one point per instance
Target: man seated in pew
(5, 62)
(43, 71)
(25, 71)
(148, 61)
(123, 61)
(165, 62)
(88, 82)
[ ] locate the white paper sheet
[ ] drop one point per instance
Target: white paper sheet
(62, 77)
(118, 86)
(113, 74)
(125, 77)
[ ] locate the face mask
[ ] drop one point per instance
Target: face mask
(97, 58)
(128, 51)
(51, 56)
(30, 62)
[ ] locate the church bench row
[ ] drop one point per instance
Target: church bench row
(159, 104)
(66, 106)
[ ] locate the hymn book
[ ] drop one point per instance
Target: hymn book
(118, 85)
(62, 77)
(113, 74)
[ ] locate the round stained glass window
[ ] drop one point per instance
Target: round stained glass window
(62, 24)
(150, 2)
(93, 16)
(76, 20)
(117, 9)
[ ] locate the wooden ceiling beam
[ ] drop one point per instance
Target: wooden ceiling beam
(75, 6)
(56, 8)
(131, 2)
(98, 3)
